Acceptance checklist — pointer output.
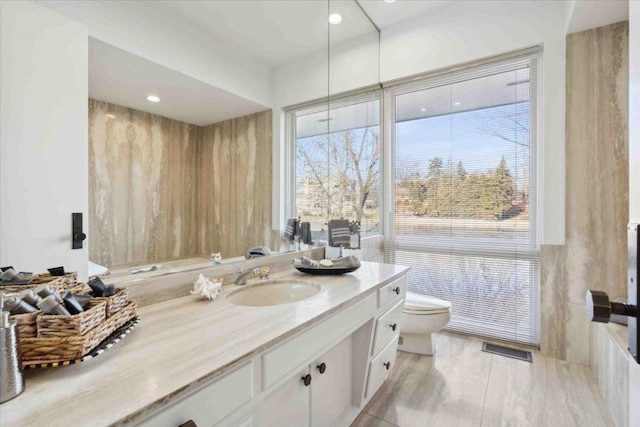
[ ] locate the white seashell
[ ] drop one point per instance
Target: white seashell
(326, 263)
(206, 288)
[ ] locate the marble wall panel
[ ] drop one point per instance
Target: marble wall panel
(595, 253)
(235, 163)
(142, 206)
(162, 189)
(610, 367)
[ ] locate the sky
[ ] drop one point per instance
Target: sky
(467, 137)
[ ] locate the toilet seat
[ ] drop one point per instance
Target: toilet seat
(419, 304)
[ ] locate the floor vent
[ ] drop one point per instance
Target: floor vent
(507, 351)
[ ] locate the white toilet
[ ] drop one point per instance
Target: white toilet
(422, 316)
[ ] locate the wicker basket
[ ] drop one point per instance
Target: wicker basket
(68, 279)
(80, 288)
(58, 283)
(74, 347)
(76, 325)
(116, 301)
(27, 326)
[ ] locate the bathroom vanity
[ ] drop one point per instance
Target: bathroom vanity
(315, 362)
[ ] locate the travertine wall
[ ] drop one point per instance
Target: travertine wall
(159, 188)
(597, 192)
(234, 185)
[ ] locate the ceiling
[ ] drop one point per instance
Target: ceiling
(589, 14)
(386, 14)
(274, 31)
(125, 79)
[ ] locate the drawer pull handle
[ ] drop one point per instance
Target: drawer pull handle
(396, 290)
(393, 326)
(387, 365)
(306, 380)
(322, 367)
(189, 423)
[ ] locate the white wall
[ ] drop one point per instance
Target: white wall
(159, 37)
(43, 137)
(481, 29)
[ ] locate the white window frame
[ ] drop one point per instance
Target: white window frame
(363, 95)
(532, 250)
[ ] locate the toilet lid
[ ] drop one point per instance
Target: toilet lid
(419, 302)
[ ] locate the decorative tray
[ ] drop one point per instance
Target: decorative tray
(326, 271)
(117, 336)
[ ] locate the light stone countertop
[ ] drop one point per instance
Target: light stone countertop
(179, 345)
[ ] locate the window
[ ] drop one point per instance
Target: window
(336, 150)
(462, 201)
(460, 186)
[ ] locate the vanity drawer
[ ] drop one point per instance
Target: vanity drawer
(210, 404)
(392, 291)
(380, 367)
(387, 326)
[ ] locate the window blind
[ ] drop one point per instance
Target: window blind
(461, 193)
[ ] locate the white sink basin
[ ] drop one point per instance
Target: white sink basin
(273, 292)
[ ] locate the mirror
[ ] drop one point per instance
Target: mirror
(174, 181)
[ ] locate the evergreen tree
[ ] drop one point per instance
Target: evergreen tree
(502, 189)
(435, 167)
(462, 173)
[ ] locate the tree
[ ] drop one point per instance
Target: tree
(462, 173)
(345, 165)
(417, 191)
(503, 189)
(435, 167)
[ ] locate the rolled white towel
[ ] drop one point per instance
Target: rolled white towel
(310, 262)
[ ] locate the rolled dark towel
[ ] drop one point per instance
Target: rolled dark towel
(339, 232)
(290, 230)
(305, 233)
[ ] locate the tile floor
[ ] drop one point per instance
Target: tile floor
(464, 386)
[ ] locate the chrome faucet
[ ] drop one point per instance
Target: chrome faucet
(263, 272)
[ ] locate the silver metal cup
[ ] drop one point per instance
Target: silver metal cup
(11, 380)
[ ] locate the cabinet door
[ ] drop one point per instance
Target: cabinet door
(331, 390)
(288, 405)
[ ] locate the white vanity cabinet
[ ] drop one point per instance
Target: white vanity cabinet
(322, 376)
(321, 400)
(387, 332)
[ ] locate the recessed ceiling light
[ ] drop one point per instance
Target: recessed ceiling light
(110, 116)
(423, 109)
(153, 98)
(335, 18)
(389, 1)
(457, 103)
